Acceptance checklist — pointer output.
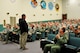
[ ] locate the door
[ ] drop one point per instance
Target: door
(64, 16)
(12, 21)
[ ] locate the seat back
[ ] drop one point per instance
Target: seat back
(33, 37)
(75, 41)
(1, 28)
(72, 34)
(43, 35)
(51, 36)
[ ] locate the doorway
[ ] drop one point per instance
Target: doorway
(12, 21)
(64, 16)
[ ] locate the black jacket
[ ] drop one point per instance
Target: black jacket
(23, 26)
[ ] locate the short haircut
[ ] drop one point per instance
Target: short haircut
(63, 29)
(23, 15)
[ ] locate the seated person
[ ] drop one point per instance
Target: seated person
(31, 30)
(76, 33)
(15, 33)
(7, 32)
(71, 28)
(59, 40)
(38, 33)
(4, 33)
(30, 33)
(79, 29)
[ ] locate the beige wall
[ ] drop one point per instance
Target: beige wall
(24, 6)
(72, 8)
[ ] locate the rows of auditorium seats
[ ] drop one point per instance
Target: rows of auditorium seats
(42, 29)
(48, 30)
(12, 32)
(36, 31)
(1, 28)
(73, 45)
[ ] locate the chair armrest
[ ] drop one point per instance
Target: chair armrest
(65, 44)
(44, 42)
(52, 42)
(78, 49)
(70, 47)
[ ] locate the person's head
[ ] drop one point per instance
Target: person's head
(62, 30)
(76, 31)
(7, 25)
(16, 26)
(23, 16)
(71, 27)
(79, 28)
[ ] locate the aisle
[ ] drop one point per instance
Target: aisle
(33, 47)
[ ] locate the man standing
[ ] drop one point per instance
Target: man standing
(24, 32)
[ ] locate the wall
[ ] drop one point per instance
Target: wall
(72, 8)
(24, 6)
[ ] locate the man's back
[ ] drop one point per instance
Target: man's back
(23, 25)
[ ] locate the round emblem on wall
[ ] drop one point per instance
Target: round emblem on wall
(57, 7)
(50, 6)
(34, 3)
(43, 4)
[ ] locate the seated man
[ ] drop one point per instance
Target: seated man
(76, 33)
(71, 28)
(15, 33)
(79, 30)
(59, 40)
(5, 33)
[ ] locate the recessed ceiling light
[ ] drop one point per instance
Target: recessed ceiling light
(12, 1)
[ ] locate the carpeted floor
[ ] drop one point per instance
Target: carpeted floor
(33, 47)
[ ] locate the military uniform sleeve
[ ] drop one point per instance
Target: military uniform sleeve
(63, 39)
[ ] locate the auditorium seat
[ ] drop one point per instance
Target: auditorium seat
(74, 45)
